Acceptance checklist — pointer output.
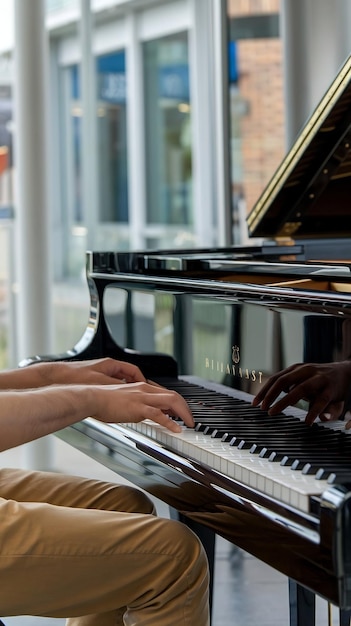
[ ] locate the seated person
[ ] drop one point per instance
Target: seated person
(88, 550)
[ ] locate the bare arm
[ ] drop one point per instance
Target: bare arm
(31, 414)
(99, 371)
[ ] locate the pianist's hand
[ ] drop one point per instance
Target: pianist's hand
(30, 413)
(136, 402)
(104, 372)
(326, 386)
(91, 372)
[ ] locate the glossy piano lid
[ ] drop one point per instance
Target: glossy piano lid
(310, 193)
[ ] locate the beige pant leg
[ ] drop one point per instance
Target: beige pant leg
(72, 491)
(61, 561)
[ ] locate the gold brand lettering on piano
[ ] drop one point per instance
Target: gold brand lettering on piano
(233, 369)
(235, 354)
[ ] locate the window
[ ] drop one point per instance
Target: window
(168, 131)
(72, 207)
(112, 137)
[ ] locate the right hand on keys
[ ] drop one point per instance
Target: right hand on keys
(41, 399)
(326, 386)
(135, 402)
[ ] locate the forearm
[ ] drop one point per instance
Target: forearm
(90, 372)
(27, 377)
(29, 415)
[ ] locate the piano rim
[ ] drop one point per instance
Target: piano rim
(203, 287)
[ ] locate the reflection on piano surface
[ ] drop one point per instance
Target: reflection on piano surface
(214, 324)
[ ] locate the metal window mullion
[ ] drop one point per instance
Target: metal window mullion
(222, 124)
(67, 159)
(135, 135)
(89, 125)
(56, 175)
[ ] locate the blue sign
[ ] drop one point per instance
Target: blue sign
(233, 62)
(173, 82)
(112, 82)
(113, 87)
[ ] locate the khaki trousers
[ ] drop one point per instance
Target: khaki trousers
(94, 552)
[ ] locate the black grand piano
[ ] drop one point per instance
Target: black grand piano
(214, 324)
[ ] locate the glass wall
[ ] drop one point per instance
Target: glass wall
(256, 102)
(70, 292)
(168, 131)
(112, 176)
(112, 138)
(71, 296)
(72, 211)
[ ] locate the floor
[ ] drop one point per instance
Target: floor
(247, 592)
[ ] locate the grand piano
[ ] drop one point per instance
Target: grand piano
(214, 324)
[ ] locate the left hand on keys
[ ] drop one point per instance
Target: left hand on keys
(326, 386)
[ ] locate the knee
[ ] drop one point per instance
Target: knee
(189, 568)
(193, 546)
(132, 500)
(185, 543)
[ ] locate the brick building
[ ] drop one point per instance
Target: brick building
(257, 103)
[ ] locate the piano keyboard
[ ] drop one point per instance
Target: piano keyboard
(279, 456)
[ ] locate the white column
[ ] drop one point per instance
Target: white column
(135, 134)
(89, 124)
(32, 260)
(317, 38)
(202, 108)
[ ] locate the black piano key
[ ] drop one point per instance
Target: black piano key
(244, 445)
(275, 426)
(300, 461)
(286, 461)
(258, 448)
(322, 473)
(225, 437)
(264, 451)
(339, 477)
(297, 464)
(310, 469)
(268, 445)
(319, 455)
(269, 453)
(275, 457)
(278, 448)
(250, 426)
(234, 441)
